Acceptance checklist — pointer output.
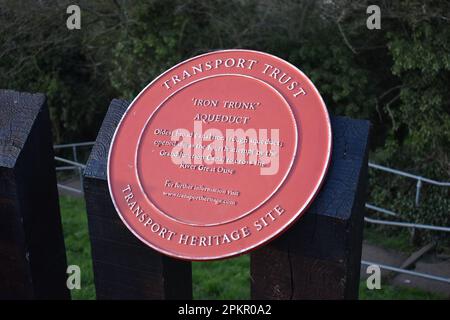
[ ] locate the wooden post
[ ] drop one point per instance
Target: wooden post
(32, 254)
(124, 267)
(320, 256)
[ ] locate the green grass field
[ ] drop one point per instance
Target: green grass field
(78, 248)
(227, 279)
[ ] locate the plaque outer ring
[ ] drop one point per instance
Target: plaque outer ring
(286, 224)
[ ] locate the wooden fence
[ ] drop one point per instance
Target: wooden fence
(317, 258)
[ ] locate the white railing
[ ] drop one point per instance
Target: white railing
(420, 180)
(75, 165)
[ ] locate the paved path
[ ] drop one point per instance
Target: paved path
(429, 263)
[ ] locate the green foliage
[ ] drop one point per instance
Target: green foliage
(345, 85)
(422, 61)
(39, 54)
(149, 46)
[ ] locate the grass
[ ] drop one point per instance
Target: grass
(388, 292)
(230, 279)
(225, 279)
(78, 248)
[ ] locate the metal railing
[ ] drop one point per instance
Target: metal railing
(407, 225)
(75, 165)
(420, 180)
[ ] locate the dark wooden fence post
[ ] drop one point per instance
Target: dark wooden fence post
(319, 257)
(124, 268)
(32, 254)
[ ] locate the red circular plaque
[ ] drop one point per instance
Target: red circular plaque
(219, 154)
